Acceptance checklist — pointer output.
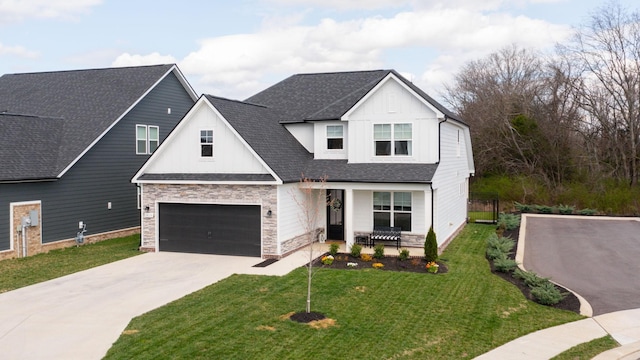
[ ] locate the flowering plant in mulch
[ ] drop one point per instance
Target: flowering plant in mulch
(366, 257)
(377, 265)
(352, 264)
(432, 267)
(327, 259)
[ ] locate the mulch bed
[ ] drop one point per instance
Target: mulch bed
(306, 317)
(570, 301)
(391, 263)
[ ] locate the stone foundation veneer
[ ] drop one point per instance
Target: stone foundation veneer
(408, 240)
(264, 195)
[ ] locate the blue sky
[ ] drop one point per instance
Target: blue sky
(236, 48)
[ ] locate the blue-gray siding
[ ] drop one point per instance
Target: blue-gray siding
(102, 175)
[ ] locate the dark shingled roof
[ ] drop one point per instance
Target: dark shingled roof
(28, 145)
(84, 102)
(260, 127)
(328, 96)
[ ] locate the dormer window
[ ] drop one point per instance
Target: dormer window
(335, 137)
(393, 139)
(206, 143)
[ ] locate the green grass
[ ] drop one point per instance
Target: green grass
(588, 350)
(17, 273)
(377, 314)
(474, 216)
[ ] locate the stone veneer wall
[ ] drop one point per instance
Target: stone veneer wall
(298, 242)
(408, 240)
(265, 195)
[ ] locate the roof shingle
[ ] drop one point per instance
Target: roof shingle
(85, 102)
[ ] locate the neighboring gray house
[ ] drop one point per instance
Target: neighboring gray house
(227, 178)
(70, 142)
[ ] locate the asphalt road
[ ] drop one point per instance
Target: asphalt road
(598, 258)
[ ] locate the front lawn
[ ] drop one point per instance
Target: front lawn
(17, 273)
(372, 314)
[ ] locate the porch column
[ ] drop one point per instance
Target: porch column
(348, 218)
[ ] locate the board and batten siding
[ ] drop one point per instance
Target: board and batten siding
(320, 140)
(392, 104)
(303, 132)
(183, 154)
(101, 176)
(291, 208)
(451, 181)
(363, 210)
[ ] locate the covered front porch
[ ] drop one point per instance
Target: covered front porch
(353, 209)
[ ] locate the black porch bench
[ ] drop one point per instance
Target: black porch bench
(386, 233)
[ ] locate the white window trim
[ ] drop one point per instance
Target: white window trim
(326, 130)
(393, 136)
(147, 139)
(391, 210)
(201, 143)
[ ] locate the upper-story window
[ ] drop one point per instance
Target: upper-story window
(335, 137)
(393, 139)
(206, 143)
(147, 139)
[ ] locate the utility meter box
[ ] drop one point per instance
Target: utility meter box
(33, 215)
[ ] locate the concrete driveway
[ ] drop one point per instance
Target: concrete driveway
(596, 257)
(80, 316)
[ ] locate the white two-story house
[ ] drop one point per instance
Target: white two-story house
(227, 180)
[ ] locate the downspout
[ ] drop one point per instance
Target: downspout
(440, 138)
(437, 162)
(431, 187)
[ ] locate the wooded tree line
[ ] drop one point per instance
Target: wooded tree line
(573, 115)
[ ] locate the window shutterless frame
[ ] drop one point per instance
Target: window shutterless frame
(335, 137)
(206, 143)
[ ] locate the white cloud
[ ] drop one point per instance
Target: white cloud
(345, 4)
(239, 65)
(127, 59)
(18, 51)
(18, 10)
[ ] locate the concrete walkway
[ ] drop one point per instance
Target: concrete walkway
(81, 315)
(623, 326)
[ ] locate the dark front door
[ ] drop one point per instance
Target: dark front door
(335, 214)
(210, 229)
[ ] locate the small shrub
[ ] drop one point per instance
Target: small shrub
(403, 255)
(499, 246)
(333, 248)
(415, 262)
(378, 251)
(327, 260)
(523, 208)
(508, 221)
(431, 246)
(565, 209)
(530, 279)
(356, 249)
(432, 267)
(366, 257)
(377, 265)
(494, 253)
(547, 294)
(503, 264)
(352, 264)
(587, 212)
(543, 209)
